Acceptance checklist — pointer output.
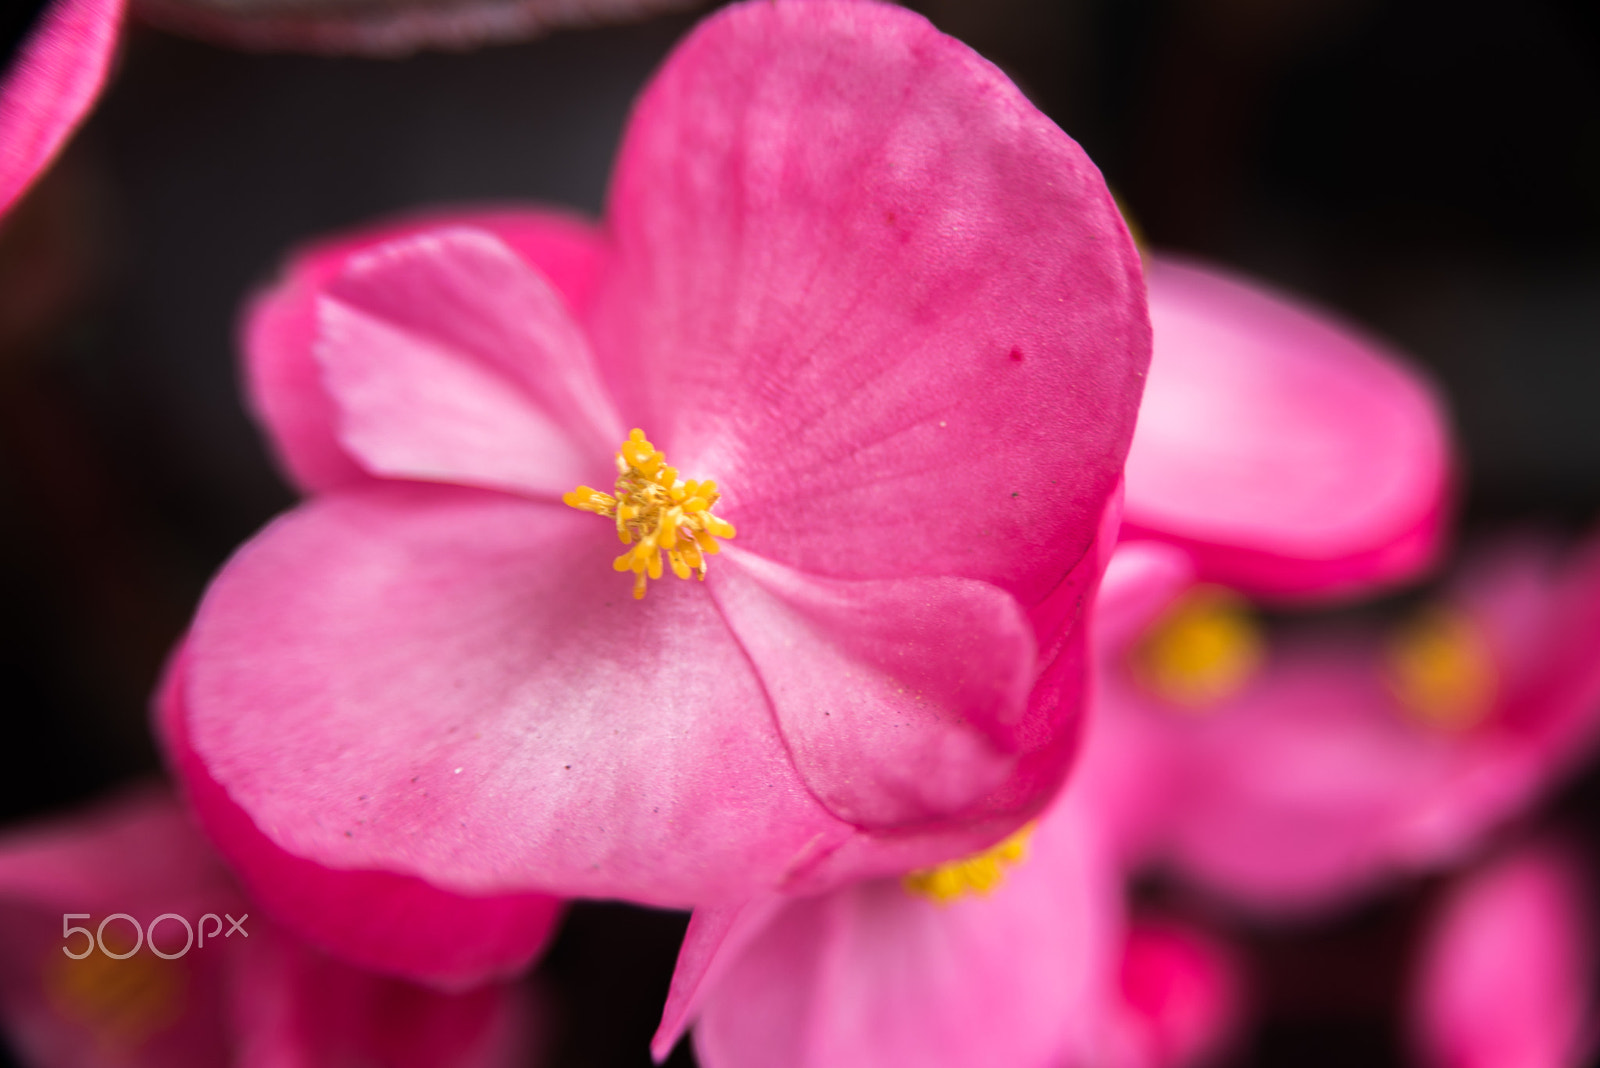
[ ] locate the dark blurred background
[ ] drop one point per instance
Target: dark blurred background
(1429, 168)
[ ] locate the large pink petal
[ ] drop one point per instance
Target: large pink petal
(53, 81)
(871, 975)
(1290, 454)
(278, 334)
(140, 856)
(899, 700)
(450, 359)
(293, 1007)
(387, 923)
(1506, 974)
(866, 286)
(455, 685)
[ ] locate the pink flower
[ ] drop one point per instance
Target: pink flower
(1328, 763)
(1506, 978)
(51, 84)
(1290, 455)
(1040, 970)
(252, 996)
(851, 275)
(1021, 955)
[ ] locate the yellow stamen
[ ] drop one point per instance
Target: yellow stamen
(122, 1003)
(656, 514)
(1206, 649)
(977, 874)
(1442, 671)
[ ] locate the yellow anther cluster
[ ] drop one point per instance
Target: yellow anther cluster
(977, 874)
(1442, 671)
(1203, 651)
(667, 522)
(121, 1002)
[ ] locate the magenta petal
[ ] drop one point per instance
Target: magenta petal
(899, 700)
(51, 84)
(450, 359)
(717, 936)
(455, 685)
(286, 389)
(866, 286)
(1181, 995)
(293, 1007)
(388, 923)
(871, 975)
(1290, 454)
(1506, 975)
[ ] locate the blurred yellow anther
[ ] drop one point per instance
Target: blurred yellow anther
(1204, 650)
(1442, 671)
(657, 514)
(121, 1003)
(977, 874)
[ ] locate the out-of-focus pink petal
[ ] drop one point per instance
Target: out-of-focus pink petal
(1506, 974)
(1141, 580)
(52, 82)
(139, 856)
(450, 359)
(383, 27)
(871, 975)
(1181, 996)
(1299, 790)
(284, 380)
(457, 686)
(865, 285)
(294, 1007)
(387, 923)
(928, 680)
(716, 937)
(1291, 455)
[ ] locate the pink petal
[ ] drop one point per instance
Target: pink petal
(867, 287)
(1290, 454)
(871, 975)
(1300, 790)
(927, 680)
(136, 855)
(293, 1006)
(286, 389)
(1181, 995)
(1142, 579)
(53, 81)
(717, 936)
(450, 359)
(1506, 975)
(454, 684)
(387, 923)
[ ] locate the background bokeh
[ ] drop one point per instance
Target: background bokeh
(1429, 168)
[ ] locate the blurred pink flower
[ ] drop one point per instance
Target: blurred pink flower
(252, 998)
(850, 273)
(52, 82)
(1506, 977)
(1289, 454)
(1333, 762)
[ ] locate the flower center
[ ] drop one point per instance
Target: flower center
(123, 1002)
(662, 517)
(1204, 650)
(1441, 670)
(977, 874)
